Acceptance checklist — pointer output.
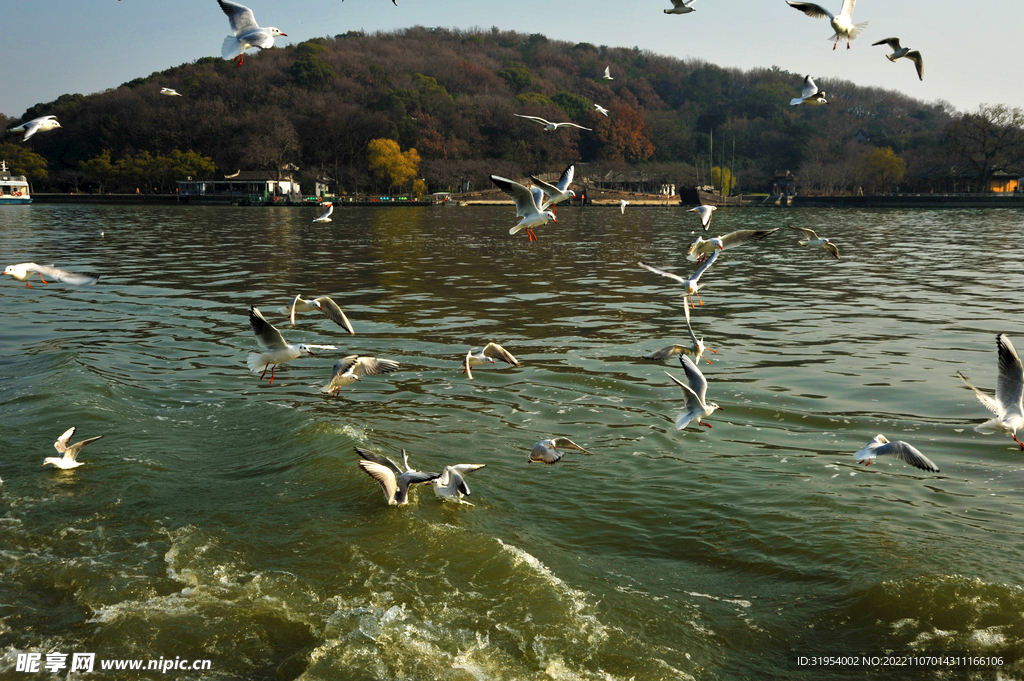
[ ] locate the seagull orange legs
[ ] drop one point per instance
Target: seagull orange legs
(530, 232)
(273, 368)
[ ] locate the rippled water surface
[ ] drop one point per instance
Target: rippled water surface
(224, 518)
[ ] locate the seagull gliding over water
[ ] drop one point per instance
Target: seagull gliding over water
(1008, 405)
(906, 453)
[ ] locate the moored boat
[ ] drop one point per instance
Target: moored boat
(13, 188)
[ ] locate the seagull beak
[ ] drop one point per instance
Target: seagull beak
(309, 351)
(285, 34)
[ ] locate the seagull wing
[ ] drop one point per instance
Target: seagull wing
(693, 336)
(745, 236)
(695, 277)
(893, 43)
(693, 400)
(572, 125)
(334, 313)
(291, 312)
(811, 10)
(495, 351)
(847, 10)
(541, 452)
(833, 249)
(542, 121)
(538, 196)
(566, 443)
(808, 233)
(915, 57)
(240, 16)
(695, 378)
(661, 272)
(384, 476)
(378, 459)
(810, 88)
(525, 205)
(907, 454)
(989, 403)
(546, 187)
(667, 352)
(371, 366)
(1010, 386)
(467, 468)
(72, 452)
(266, 335)
(62, 442)
(566, 179)
(63, 275)
(31, 128)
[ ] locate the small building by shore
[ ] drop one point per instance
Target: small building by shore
(254, 185)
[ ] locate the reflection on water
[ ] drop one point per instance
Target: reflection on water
(224, 518)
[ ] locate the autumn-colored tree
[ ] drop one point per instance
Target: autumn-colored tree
(623, 136)
(723, 178)
(883, 168)
(390, 164)
(419, 188)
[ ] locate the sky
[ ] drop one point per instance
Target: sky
(970, 49)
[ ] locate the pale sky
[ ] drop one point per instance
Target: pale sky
(970, 49)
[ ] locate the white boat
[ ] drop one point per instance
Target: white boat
(13, 188)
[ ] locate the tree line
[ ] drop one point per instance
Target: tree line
(450, 95)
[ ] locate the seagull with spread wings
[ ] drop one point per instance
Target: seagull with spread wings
(551, 450)
(246, 32)
(690, 283)
(1008, 405)
(900, 52)
(548, 125)
(695, 347)
(491, 352)
(23, 271)
(880, 446)
(812, 239)
(392, 479)
(323, 304)
(42, 124)
(527, 206)
(695, 391)
(352, 368)
(277, 351)
(556, 193)
(810, 95)
(841, 23)
(704, 213)
(70, 452)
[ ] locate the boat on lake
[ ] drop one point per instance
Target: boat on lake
(13, 188)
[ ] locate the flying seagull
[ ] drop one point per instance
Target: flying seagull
(704, 212)
(326, 217)
(701, 248)
(550, 451)
(23, 271)
(601, 110)
(906, 453)
(277, 351)
(70, 458)
(491, 352)
(451, 484)
(898, 52)
(692, 287)
(548, 125)
(695, 347)
(1008, 405)
(169, 92)
(694, 390)
(246, 32)
(323, 304)
(352, 368)
(607, 73)
(43, 124)
(622, 205)
(681, 7)
(811, 95)
(842, 23)
(812, 239)
(526, 206)
(393, 480)
(556, 193)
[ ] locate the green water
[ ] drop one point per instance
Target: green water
(225, 519)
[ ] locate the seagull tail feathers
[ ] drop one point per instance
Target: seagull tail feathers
(231, 48)
(682, 421)
(857, 30)
(990, 427)
(795, 101)
(255, 362)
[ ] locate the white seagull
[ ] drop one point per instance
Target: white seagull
(701, 248)
(451, 484)
(692, 287)
(392, 479)
(352, 368)
(526, 206)
(556, 193)
(323, 304)
(898, 52)
(277, 350)
(681, 7)
(548, 125)
(696, 346)
(491, 352)
(601, 110)
(906, 453)
(622, 205)
(23, 271)
(704, 212)
(811, 95)
(43, 124)
(550, 451)
(842, 23)
(70, 458)
(326, 217)
(1008, 405)
(812, 239)
(694, 390)
(247, 33)
(608, 73)
(169, 92)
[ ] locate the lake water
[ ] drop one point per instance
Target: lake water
(223, 518)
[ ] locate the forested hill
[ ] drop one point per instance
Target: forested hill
(452, 94)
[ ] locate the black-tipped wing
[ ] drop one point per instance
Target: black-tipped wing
(334, 313)
(663, 273)
(566, 443)
(266, 335)
(566, 179)
(667, 352)
(893, 43)
(495, 351)
(808, 233)
(907, 454)
(694, 377)
(833, 249)
(810, 88)
(72, 451)
(915, 57)
(745, 236)
(378, 459)
(1010, 385)
(810, 9)
(240, 16)
(525, 204)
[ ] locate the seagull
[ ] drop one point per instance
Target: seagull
(695, 348)
(326, 217)
(548, 125)
(325, 305)
(906, 453)
(550, 451)
(247, 33)
(169, 92)
(705, 214)
(702, 247)
(607, 73)
(897, 52)
(680, 7)
(526, 206)
(451, 484)
(692, 287)
(392, 479)
(842, 23)
(622, 205)
(1008, 405)
(556, 193)
(23, 271)
(43, 124)
(491, 352)
(694, 390)
(235, 174)
(601, 110)
(70, 458)
(352, 368)
(810, 95)
(277, 350)
(812, 239)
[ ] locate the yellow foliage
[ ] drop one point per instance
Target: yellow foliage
(390, 164)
